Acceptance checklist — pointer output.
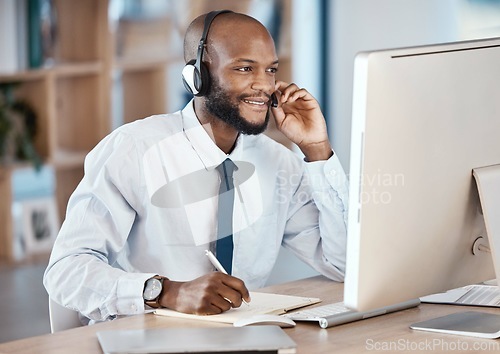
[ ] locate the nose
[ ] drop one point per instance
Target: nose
(264, 82)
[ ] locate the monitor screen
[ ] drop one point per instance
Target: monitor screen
(423, 119)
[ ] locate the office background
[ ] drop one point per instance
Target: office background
(324, 36)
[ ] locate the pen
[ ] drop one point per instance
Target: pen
(215, 262)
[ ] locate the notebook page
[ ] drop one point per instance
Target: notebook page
(262, 303)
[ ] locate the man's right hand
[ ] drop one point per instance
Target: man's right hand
(210, 294)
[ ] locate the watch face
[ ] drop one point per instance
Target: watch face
(152, 289)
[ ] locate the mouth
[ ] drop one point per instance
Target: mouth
(257, 103)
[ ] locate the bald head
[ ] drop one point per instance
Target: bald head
(225, 27)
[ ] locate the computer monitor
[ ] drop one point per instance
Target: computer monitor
(423, 118)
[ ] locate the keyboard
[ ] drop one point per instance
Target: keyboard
(337, 313)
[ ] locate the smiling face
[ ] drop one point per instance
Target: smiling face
(242, 62)
(220, 105)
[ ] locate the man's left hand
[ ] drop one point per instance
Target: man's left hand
(299, 117)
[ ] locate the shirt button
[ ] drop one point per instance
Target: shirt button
(133, 307)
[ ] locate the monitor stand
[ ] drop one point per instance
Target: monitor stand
(488, 185)
(478, 324)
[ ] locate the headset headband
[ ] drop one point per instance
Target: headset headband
(208, 21)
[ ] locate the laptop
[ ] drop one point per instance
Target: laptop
(470, 295)
(337, 313)
(266, 339)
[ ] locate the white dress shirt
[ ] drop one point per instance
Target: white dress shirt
(147, 205)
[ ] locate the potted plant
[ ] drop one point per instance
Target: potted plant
(17, 129)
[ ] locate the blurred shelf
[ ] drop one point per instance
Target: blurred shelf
(59, 70)
(25, 75)
(78, 69)
(141, 64)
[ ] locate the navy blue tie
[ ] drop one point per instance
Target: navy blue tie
(224, 245)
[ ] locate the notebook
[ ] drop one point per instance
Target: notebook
(265, 339)
(471, 295)
(262, 303)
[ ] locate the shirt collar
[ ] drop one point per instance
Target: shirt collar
(210, 154)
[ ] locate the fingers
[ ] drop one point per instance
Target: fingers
(210, 294)
(224, 293)
(291, 92)
(235, 291)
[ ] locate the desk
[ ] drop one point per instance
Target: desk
(379, 334)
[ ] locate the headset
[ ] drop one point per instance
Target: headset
(195, 75)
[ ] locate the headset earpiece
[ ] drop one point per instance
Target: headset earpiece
(195, 75)
(196, 80)
(189, 73)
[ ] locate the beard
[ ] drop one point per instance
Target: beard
(218, 103)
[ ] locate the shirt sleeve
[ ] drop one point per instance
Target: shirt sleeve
(316, 230)
(80, 274)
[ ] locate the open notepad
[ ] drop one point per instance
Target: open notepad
(262, 303)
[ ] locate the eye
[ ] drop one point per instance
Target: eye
(245, 69)
(272, 70)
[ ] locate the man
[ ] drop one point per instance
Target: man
(146, 211)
